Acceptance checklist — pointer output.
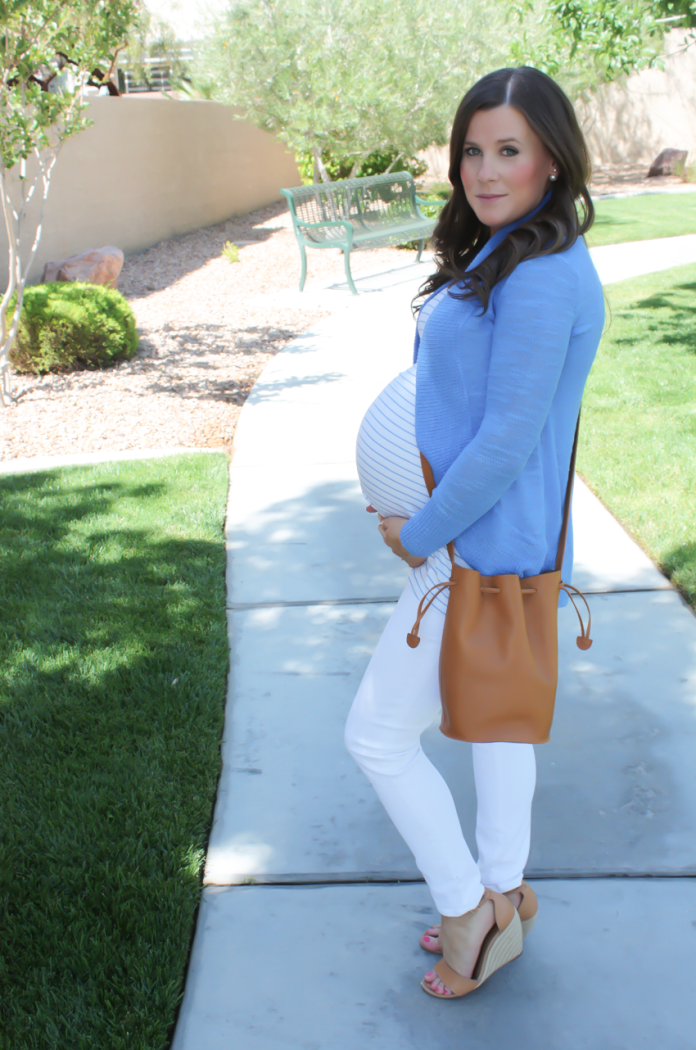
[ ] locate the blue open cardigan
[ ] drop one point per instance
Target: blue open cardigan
(497, 399)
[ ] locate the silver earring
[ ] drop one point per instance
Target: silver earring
(553, 177)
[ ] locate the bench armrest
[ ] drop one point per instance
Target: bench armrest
(431, 204)
(420, 203)
(301, 226)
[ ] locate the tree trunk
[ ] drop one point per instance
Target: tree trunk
(356, 167)
(397, 157)
(320, 172)
(7, 333)
(14, 225)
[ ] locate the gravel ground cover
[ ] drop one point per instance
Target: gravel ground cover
(207, 328)
(611, 179)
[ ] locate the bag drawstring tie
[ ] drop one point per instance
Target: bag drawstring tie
(583, 640)
(412, 638)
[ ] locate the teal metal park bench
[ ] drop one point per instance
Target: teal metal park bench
(358, 213)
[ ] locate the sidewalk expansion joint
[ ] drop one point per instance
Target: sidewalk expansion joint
(242, 606)
(353, 878)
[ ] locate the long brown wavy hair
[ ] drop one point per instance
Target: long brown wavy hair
(459, 236)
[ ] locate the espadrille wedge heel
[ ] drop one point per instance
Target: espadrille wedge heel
(528, 907)
(501, 945)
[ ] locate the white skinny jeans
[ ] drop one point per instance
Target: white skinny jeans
(398, 699)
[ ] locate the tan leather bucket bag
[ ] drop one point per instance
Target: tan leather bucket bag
(499, 655)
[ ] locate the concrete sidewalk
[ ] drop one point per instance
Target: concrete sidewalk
(312, 953)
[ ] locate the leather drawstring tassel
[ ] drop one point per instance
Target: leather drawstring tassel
(583, 641)
(412, 638)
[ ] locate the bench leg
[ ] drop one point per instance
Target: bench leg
(421, 245)
(346, 259)
(303, 276)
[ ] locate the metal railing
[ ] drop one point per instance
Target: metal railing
(158, 72)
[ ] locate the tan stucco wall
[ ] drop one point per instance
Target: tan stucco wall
(633, 121)
(149, 169)
(651, 111)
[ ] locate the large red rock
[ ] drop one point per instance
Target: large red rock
(669, 162)
(98, 266)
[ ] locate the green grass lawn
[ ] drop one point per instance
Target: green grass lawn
(627, 218)
(638, 434)
(642, 218)
(113, 667)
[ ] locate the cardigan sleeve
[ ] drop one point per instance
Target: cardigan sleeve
(535, 313)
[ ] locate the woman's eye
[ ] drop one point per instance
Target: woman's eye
(472, 151)
(510, 151)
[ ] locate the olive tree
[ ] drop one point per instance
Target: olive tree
(346, 80)
(50, 51)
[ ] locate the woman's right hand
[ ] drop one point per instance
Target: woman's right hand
(390, 529)
(412, 560)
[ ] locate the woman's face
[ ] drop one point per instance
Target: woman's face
(505, 166)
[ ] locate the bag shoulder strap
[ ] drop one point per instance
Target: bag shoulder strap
(429, 479)
(568, 496)
(428, 476)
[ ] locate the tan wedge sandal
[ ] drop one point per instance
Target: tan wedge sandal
(527, 911)
(501, 945)
(528, 907)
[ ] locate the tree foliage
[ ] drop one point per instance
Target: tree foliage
(342, 81)
(583, 43)
(50, 50)
(348, 80)
(677, 13)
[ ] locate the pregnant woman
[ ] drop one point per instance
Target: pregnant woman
(505, 341)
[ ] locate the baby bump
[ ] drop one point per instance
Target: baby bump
(388, 460)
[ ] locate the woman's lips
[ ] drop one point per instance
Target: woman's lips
(490, 196)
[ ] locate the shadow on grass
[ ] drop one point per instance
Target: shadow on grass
(611, 221)
(114, 659)
(676, 323)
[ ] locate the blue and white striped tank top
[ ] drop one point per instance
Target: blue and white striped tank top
(389, 466)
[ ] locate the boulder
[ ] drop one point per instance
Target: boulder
(669, 162)
(98, 266)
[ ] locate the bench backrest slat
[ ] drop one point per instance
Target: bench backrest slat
(373, 202)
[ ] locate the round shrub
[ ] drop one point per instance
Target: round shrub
(67, 325)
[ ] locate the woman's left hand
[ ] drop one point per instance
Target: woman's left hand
(391, 534)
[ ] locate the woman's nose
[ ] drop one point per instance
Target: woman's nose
(487, 172)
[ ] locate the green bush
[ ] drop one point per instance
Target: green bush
(67, 325)
(374, 164)
(437, 191)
